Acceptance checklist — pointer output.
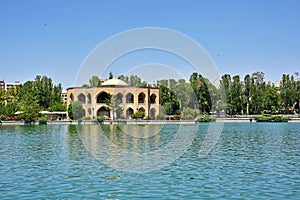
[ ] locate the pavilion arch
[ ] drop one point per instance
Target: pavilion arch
(72, 97)
(129, 98)
(152, 99)
(89, 98)
(141, 97)
(102, 96)
(129, 112)
(103, 111)
(152, 113)
(81, 98)
(120, 97)
(83, 112)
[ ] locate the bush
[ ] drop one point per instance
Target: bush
(43, 120)
(161, 116)
(176, 117)
(270, 118)
(138, 115)
(189, 113)
(147, 118)
(101, 118)
(87, 118)
(205, 118)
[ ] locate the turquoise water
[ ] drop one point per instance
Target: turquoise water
(250, 161)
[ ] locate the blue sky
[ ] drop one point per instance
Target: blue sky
(52, 37)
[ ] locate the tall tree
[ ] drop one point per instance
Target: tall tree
(236, 95)
(94, 81)
(115, 106)
(110, 76)
(75, 110)
(247, 92)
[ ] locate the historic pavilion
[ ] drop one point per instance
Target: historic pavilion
(132, 99)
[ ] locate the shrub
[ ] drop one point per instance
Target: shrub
(161, 116)
(205, 118)
(176, 117)
(138, 115)
(43, 119)
(101, 118)
(270, 118)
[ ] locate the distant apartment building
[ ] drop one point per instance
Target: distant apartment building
(2, 84)
(64, 96)
(6, 86)
(12, 85)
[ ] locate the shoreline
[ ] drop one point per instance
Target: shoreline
(130, 122)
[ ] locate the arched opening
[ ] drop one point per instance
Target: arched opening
(142, 109)
(81, 98)
(152, 99)
(141, 97)
(89, 111)
(83, 113)
(129, 98)
(120, 97)
(102, 96)
(152, 113)
(129, 112)
(72, 97)
(89, 98)
(104, 111)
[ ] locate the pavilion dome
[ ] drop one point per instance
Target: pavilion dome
(113, 82)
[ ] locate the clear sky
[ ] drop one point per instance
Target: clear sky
(53, 37)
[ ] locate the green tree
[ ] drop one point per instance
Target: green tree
(124, 78)
(115, 106)
(169, 101)
(30, 108)
(247, 92)
(200, 87)
(75, 110)
(110, 76)
(95, 81)
(236, 95)
(136, 81)
(271, 98)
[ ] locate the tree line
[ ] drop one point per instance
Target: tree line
(187, 99)
(233, 96)
(30, 98)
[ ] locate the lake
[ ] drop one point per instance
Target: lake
(249, 161)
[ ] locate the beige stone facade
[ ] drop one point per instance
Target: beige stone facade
(132, 99)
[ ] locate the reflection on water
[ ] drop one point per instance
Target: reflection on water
(123, 148)
(250, 161)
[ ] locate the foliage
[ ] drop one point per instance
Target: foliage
(271, 118)
(43, 119)
(114, 104)
(42, 91)
(161, 116)
(58, 106)
(75, 110)
(30, 109)
(189, 113)
(110, 76)
(170, 103)
(205, 118)
(138, 115)
(101, 118)
(94, 81)
(133, 80)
